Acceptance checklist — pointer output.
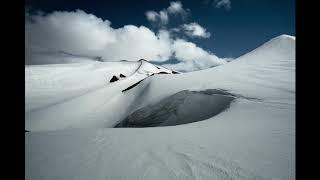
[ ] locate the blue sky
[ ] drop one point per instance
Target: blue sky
(246, 25)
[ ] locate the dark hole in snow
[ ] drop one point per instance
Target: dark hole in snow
(114, 78)
(157, 67)
(174, 72)
(181, 108)
(121, 75)
(123, 60)
(132, 86)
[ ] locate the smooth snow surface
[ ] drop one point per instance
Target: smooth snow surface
(71, 109)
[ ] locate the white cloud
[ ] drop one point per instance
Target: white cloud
(68, 30)
(225, 3)
(151, 15)
(134, 43)
(188, 51)
(81, 33)
(84, 34)
(175, 29)
(162, 17)
(192, 57)
(175, 7)
(195, 30)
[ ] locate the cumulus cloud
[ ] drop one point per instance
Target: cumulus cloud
(164, 17)
(68, 30)
(80, 33)
(192, 57)
(161, 17)
(152, 16)
(175, 8)
(195, 30)
(222, 3)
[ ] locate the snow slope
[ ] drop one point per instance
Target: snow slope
(80, 95)
(71, 109)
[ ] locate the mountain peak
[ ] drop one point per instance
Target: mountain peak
(282, 39)
(285, 36)
(279, 47)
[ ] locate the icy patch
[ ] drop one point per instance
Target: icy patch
(181, 108)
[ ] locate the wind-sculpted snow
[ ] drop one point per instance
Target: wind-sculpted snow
(106, 156)
(89, 96)
(71, 110)
(181, 108)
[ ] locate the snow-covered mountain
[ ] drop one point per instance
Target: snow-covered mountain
(242, 114)
(76, 95)
(280, 47)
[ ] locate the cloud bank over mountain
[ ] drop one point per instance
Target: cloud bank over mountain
(78, 32)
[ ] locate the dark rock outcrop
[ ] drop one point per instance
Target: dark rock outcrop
(98, 58)
(132, 86)
(114, 78)
(163, 72)
(123, 76)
